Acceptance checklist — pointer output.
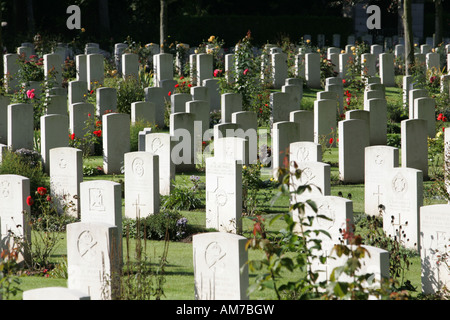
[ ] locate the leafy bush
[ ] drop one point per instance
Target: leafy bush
(394, 140)
(181, 198)
(154, 227)
(25, 163)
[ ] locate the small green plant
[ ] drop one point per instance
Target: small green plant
(183, 197)
(158, 226)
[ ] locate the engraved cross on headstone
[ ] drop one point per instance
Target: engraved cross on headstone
(138, 205)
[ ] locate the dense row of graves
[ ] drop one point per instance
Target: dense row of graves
(94, 248)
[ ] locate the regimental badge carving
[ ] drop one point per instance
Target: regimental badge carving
(307, 176)
(138, 167)
(156, 145)
(86, 245)
(399, 184)
(96, 199)
(221, 198)
(214, 255)
(379, 160)
(303, 154)
(4, 189)
(62, 163)
(327, 210)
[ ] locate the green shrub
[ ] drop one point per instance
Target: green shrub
(128, 91)
(154, 227)
(394, 140)
(25, 163)
(182, 198)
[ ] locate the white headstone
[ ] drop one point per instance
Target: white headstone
(141, 184)
(219, 258)
(223, 195)
(434, 243)
(66, 174)
(20, 126)
(161, 145)
(93, 264)
(54, 134)
(116, 141)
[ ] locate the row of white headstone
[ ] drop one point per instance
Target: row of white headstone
(222, 193)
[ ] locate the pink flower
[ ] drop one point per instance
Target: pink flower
(30, 94)
(217, 72)
(245, 71)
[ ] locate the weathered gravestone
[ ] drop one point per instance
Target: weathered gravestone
(142, 196)
(434, 247)
(223, 195)
(220, 271)
(93, 259)
(66, 174)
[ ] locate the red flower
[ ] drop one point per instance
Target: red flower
(98, 133)
(177, 85)
(30, 201)
(72, 136)
(98, 123)
(245, 72)
(91, 92)
(343, 81)
(170, 93)
(217, 72)
(331, 141)
(181, 78)
(189, 85)
(89, 114)
(440, 116)
(49, 198)
(42, 191)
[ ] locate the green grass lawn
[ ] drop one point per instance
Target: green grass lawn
(179, 281)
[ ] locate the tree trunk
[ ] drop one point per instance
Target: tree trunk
(162, 24)
(438, 22)
(408, 35)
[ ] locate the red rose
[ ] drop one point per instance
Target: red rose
(30, 201)
(42, 191)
